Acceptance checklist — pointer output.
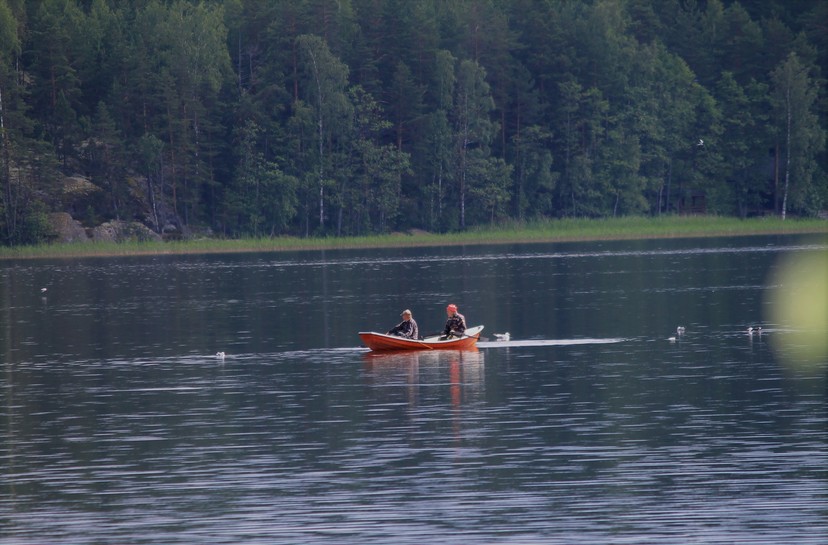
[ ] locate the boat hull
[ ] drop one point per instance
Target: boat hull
(381, 341)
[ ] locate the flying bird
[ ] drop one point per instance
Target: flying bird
(700, 142)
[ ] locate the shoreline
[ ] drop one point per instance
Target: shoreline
(551, 231)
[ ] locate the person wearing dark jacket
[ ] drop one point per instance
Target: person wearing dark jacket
(407, 328)
(456, 323)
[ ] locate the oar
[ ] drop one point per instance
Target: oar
(479, 337)
(440, 334)
(455, 335)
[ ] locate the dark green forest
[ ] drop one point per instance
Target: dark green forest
(262, 118)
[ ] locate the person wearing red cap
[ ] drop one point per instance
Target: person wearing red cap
(407, 328)
(456, 323)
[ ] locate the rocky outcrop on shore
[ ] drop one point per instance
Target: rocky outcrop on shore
(123, 231)
(69, 230)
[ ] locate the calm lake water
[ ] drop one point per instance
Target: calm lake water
(118, 425)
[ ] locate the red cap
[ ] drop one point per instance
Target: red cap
(452, 308)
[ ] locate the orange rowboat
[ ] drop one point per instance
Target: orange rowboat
(381, 341)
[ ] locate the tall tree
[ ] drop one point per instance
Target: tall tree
(801, 137)
(200, 65)
(150, 148)
(582, 114)
(325, 89)
(743, 145)
(535, 178)
(663, 111)
(473, 128)
(379, 166)
(105, 162)
(27, 162)
(406, 101)
(100, 45)
(56, 87)
(9, 50)
(493, 187)
(438, 156)
(619, 177)
(262, 197)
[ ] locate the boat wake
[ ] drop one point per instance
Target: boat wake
(546, 342)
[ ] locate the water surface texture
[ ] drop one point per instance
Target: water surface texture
(597, 422)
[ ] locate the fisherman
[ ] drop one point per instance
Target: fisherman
(456, 323)
(407, 328)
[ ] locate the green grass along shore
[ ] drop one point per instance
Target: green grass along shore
(563, 230)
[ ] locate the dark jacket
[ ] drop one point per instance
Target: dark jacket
(407, 329)
(455, 324)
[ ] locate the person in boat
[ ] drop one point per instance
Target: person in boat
(407, 328)
(456, 323)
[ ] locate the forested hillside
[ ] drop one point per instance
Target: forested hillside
(350, 117)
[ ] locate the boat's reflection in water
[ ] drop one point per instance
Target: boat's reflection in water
(431, 378)
(427, 367)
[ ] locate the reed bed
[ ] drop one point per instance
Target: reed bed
(558, 230)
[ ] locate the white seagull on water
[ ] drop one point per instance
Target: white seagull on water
(502, 336)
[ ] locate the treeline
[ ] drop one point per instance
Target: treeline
(349, 117)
